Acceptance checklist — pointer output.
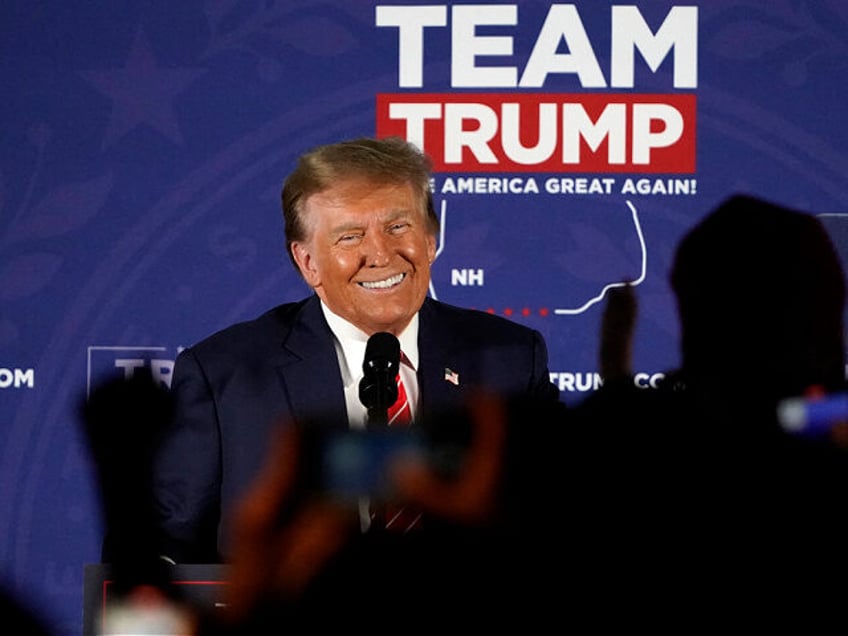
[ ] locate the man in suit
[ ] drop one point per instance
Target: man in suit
(361, 230)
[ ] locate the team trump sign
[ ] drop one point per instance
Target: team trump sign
(509, 122)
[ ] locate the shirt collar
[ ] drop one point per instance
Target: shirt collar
(352, 341)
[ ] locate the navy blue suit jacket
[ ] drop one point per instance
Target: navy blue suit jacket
(232, 388)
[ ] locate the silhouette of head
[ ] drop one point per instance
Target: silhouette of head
(761, 296)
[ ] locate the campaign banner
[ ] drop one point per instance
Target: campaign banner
(574, 144)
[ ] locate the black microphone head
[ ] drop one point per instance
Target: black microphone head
(378, 388)
(381, 353)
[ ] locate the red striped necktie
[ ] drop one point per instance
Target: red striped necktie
(400, 518)
(400, 413)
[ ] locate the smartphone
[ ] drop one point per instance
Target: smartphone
(357, 463)
(813, 415)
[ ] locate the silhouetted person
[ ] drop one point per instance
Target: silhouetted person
(696, 482)
(761, 295)
(123, 421)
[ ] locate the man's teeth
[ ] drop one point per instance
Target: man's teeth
(383, 284)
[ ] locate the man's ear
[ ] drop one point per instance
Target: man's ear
(305, 264)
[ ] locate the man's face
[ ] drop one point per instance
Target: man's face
(368, 252)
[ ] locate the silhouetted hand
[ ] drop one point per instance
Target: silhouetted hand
(281, 540)
(470, 495)
(287, 537)
(617, 330)
(123, 421)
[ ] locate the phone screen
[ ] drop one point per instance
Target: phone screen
(357, 463)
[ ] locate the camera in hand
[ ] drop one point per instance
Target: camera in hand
(357, 463)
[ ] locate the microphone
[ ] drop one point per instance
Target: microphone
(378, 387)
(812, 415)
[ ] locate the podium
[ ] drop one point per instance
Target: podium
(200, 585)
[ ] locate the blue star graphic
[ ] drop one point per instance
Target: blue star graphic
(142, 93)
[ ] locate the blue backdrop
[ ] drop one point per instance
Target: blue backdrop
(145, 142)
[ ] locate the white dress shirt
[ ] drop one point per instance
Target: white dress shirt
(350, 344)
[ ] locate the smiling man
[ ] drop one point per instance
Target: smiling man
(361, 230)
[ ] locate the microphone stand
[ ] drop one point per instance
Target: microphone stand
(378, 391)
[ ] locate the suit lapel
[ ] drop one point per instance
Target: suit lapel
(310, 370)
(438, 351)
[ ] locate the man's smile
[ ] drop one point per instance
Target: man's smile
(383, 284)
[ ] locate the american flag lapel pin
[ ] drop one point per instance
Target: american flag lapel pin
(451, 376)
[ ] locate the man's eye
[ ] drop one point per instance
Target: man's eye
(349, 238)
(398, 227)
